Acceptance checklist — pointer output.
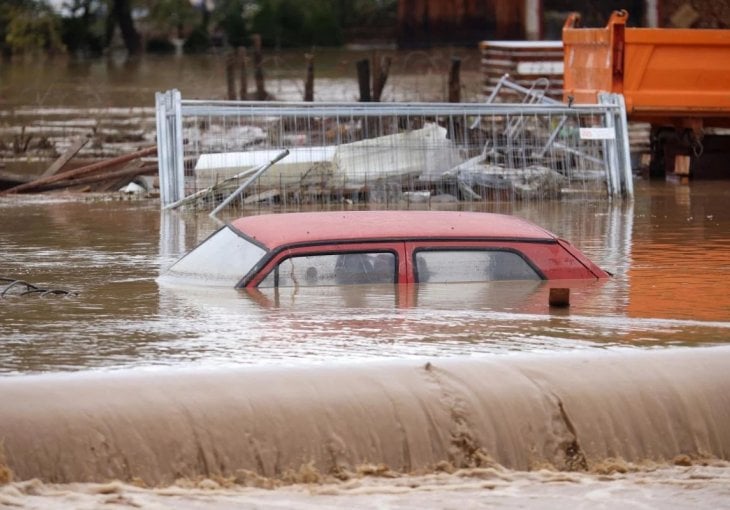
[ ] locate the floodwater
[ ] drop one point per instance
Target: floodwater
(127, 393)
(669, 252)
(383, 396)
(125, 82)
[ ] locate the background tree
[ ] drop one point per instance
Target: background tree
(291, 23)
(120, 14)
(231, 19)
(82, 27)
(29, 26)
(173, 17)
(86, 27)
(169, 19)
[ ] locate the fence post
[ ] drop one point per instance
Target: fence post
(619, 151)
(624, 149)
(179, 168)
(610, 148)
(170, 146)
(162, 145)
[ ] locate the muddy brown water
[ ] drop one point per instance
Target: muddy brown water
(669, 252)
(124, 82)
(453, 389)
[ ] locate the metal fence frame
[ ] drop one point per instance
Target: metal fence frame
(171, 109)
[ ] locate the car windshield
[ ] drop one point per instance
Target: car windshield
(223, 259)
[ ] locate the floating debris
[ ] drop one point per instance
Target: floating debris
(15, 287)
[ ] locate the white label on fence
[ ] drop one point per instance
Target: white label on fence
(597, 134)
(545, 67)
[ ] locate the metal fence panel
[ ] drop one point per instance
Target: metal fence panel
(392, 153)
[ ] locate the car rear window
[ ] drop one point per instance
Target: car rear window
(445, 266)
(223, 259)
(333, 269)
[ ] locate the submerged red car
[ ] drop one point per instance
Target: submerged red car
(334, 248)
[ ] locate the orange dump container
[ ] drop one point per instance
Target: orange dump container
(668, 76)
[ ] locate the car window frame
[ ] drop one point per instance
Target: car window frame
(414, 250)
(269, 263)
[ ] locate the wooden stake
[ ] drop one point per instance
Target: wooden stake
(559, 297)
(363, 79)
(455, 81)
(309, 80)
(241, 59)
(261, 94)
(231, 77)
(380, 76)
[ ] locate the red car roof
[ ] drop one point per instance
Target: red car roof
(274, 230)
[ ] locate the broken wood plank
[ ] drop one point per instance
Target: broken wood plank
(102, 165)
(65, 157)
(116, 174)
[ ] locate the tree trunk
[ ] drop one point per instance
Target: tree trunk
(121, 13)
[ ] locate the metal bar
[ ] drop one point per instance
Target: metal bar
(243, 186)
(612, 160)
(179, 182)
(624, 149)
(496, 89)
(553, 136)
(580, 154)
(271, 109)
(210, 189)
(162, 150)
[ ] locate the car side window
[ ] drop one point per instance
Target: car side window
(444, 266)
(333, 269)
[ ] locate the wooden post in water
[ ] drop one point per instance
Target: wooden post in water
(363, 79)
(559, 297)
(309, 80)
(230, 76)
(381, 68)
(241, 60)
(455, 81)
(261, 94)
